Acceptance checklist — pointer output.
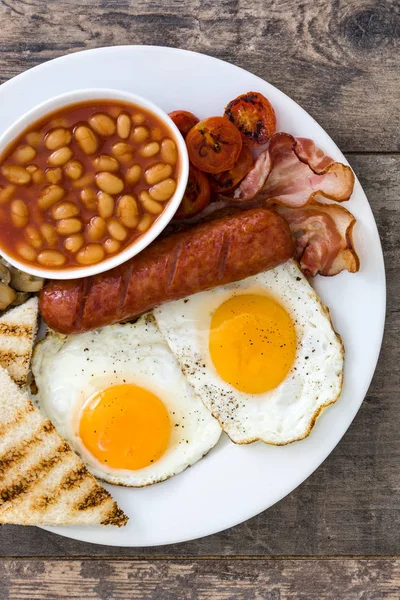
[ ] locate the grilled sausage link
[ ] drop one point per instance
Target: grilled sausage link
(200, 258)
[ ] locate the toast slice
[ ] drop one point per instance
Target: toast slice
(42, 481)
(18, 328)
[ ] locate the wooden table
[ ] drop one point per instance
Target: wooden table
(336, 536)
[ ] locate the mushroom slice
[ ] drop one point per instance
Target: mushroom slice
(20, 298)
(23, 282)
(7, 295)
(5, 275)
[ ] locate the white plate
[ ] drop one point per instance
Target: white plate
(233, 483)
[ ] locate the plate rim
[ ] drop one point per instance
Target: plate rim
(65, 531)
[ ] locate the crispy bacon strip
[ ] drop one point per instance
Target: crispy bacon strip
(295, 178)
(293, 171)
(323, 236)
(322, 232)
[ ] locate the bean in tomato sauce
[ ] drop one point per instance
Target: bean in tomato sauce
(84, 182)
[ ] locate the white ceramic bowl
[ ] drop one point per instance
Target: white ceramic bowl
(162, 221)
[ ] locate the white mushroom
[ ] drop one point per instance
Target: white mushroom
(5, 276)
(7, 295)
(20, 298)
(23, 282)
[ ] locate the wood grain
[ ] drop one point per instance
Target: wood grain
(340, 59)
(351, 504)
(329, 579)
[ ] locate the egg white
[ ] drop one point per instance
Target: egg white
(288, 412)
(68, 370)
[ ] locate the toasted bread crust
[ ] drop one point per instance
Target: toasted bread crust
(42, 481)
(18, 328)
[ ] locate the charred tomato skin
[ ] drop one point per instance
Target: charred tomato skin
(228, 180)
(214, 145)
(254, 117)
(197, 195)
(184, 120)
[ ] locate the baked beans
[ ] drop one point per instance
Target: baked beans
(140, 135)
(19, 213)
(116, 230)
(157, 173)
(24, 154)
(33, 236)
(150, 205)
(74, 169)
(133, 175)
(96, 228)
(6, 193)
(127, 211)
(64, 210)
(106, 163)
(51, 259)
(52, 175)
(111, 246)
(49, 234)
(74, 243)
(105, 205)
(58, 138)
(83, 183)
(124, 126)
(90, 254)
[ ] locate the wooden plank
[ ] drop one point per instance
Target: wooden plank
(339, 59)
(328, 579)
(351, 504)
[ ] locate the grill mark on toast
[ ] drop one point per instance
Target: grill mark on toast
(41, 468)
(95, 498)
(9, 356)
(18, 453)
(115, 517)
(20, 381)
(173, 265)
(69, 481)
(15, 330)
(5, 428)
(223, 256)
(36, 486)
(73, 478)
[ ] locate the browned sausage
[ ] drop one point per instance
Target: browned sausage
(183, 263)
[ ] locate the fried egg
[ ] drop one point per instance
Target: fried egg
(119, 397)
(261, 354)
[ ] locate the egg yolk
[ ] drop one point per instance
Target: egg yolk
(125, 427)
(252, 342)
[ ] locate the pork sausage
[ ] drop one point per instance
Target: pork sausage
(200, 258)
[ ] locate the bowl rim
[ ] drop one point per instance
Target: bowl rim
(95, 94)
